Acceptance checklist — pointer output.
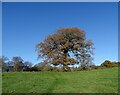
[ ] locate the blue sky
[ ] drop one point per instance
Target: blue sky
(27, 24)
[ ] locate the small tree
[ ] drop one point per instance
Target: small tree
(10, 66)
(108, 64)
(67, 46)
(18, 63)
(27, 64)
(3, 63)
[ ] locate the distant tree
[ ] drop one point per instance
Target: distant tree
(10, 66)
(42, 66)
(108, 64)
(67, 46)
(18, 63)
(28, 64)
(3, 63)
(34, 68)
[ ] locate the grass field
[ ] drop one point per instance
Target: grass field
(94, 81)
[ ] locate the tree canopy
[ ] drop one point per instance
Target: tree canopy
(67, 46)
(18, 63)
(3, 63)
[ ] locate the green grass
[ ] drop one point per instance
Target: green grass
(94, 81)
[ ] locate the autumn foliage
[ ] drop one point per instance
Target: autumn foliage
(67, 46)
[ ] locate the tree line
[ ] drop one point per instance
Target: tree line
(17, 64)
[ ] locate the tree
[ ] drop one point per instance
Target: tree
(67, 46)
(108, 64)
(28, 64)
(10, 66)
(18, 63)
(3, 63)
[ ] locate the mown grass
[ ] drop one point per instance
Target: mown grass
(94, 81)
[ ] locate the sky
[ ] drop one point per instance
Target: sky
(26, 24)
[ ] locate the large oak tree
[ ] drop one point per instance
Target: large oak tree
(67, 46)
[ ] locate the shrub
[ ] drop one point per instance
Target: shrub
(109, 64)
(55, 69)
(101, 67)
(46, 68)
(33, 69)
(61, 69)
